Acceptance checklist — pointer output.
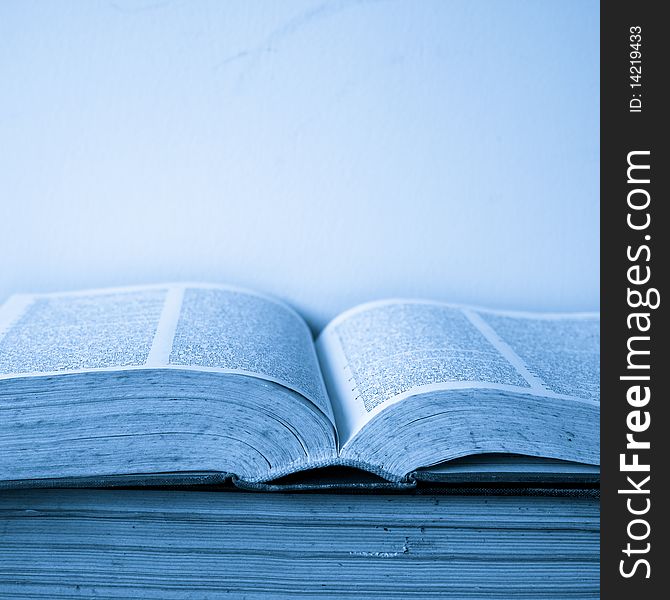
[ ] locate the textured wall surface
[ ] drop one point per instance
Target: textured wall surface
(326, 152)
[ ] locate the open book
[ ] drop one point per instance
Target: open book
(198, 383)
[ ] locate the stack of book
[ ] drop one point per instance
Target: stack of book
(470, 436)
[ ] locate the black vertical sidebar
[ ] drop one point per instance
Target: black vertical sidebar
(635, 342)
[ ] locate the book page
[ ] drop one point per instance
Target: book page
(383, 352)
(225, 329)
(198, 327)
(559, 353)
(76, 332)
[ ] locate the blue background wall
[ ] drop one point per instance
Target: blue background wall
(328, 153)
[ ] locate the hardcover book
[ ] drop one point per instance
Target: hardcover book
(197, 383)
